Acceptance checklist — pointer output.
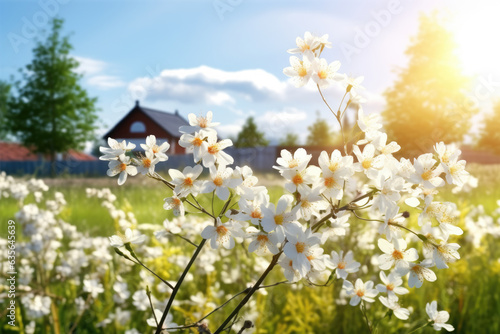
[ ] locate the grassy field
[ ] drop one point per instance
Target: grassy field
(469, 290)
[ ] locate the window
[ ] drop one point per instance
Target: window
(137, 127)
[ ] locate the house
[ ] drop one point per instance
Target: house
(18, 152)
(141, 122)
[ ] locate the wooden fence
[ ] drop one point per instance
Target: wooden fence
(259, 158)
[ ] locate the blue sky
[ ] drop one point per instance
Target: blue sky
(228, 55)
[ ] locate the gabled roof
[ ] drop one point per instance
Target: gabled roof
(18, 152)
(169, 122)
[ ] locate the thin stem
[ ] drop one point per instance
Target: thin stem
(324, 100)
(420, 327)
(250, 293)
(178, 285)
(129, 248)
(148, 293)
(363, 309)
(184, 238)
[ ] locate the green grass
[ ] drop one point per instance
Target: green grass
(468, 290)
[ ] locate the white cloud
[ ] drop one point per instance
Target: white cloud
(229, 130)
(105, 81)
(89, 66)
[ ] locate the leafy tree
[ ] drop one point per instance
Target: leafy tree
(490, 135)
(4, 98)
(249, 136)
(319, 133)
(427, 103)
(290, 139)
(50, 111)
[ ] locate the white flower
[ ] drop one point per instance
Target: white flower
(439, 317)
(445, 253)
(426, 173)
(131, 236)
(222, 234)
(300, 70)
(370, 123)
(115, 149)
(290, 273)
(367, 161)
(185, 182)
(343, 265)
(309, 43)
(93, 287)
(121, 166)
(147, 163)
(174, 203)
(197, 123)
(262, 242)
(214, 152)
(221, 180)
(325, 74)
(168, 323)
(195, 143)
(360, 291)
(395, 253)
(298, 180)
(392, 285)
(418, 272)
(335, 170)
(297, 162)
(157, 151)
(251, 209)
(389, 194)
(310, 204)
(299, 247)
(455, 172)
(400, 312)
(277, 218)
(351, 84)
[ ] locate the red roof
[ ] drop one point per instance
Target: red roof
(18, 152)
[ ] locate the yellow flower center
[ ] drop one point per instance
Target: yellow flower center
(322, 75)
(218, 181)
(155, 148)
(302, 72)
(300, 247)
(262, 238)
(213, 149)
(427, 175)
(197, 141)
(390, 287)
(293, 163)
(333, 166)
(256, 214)
(360, 293)
(341, 265)
(297, 179)
(202, 121)
(278, 219)
(123, 166)
(146, 162)
(188, 181)
(176, 201)
(366, 163)
(397, 255)
(221, 230)
(330, 182)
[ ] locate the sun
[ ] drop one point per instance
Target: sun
(476, 26)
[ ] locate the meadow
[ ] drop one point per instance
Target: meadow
(469, 290)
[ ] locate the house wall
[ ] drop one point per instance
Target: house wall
(122, 131)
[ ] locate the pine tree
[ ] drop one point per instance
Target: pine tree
(50, 112)
(4, 99)
(427, 103)
(490, 135)
(249, 136)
